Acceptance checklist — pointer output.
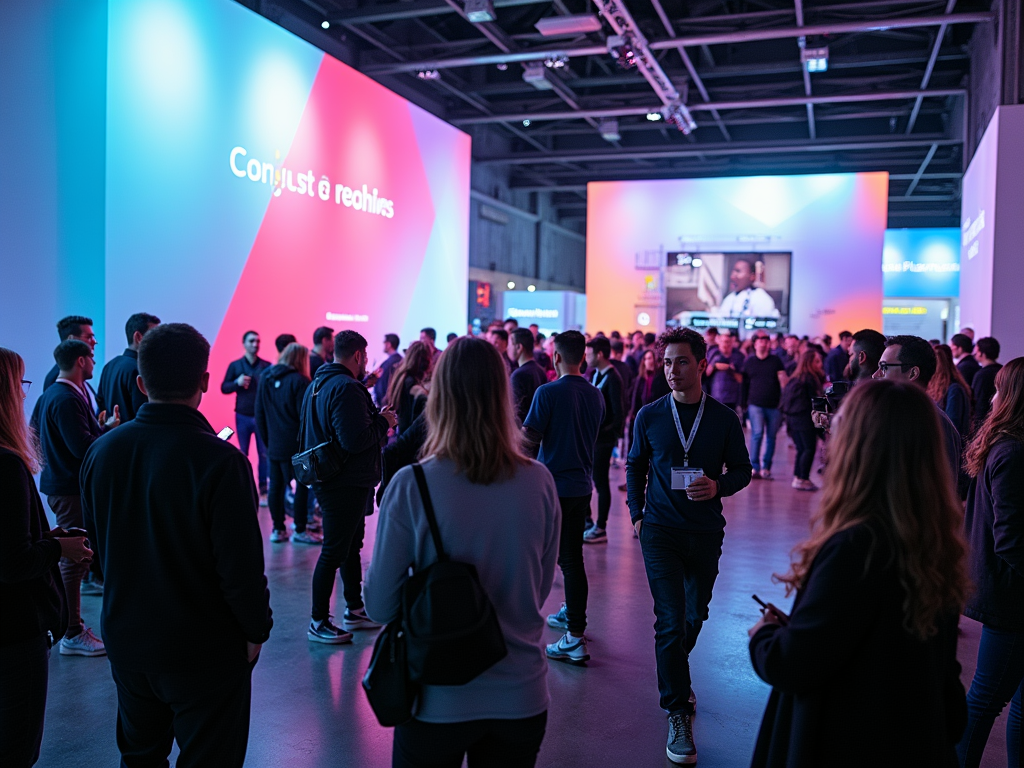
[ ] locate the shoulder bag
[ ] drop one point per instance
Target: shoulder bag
(322, 461)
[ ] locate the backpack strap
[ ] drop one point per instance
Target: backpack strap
(428, 509)
(318, 383)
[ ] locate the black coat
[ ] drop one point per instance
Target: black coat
(245, 397)
(119, 385)
(614, 409)
(171, 510)
(278, 409)
(850, 686)
(32, 598)
(994, 522)
(968, 366)
(796, 401)
(66, 427)
(345, 411)
(984, 387)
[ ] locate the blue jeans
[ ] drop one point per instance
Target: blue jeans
(245, 430)
(997, 680)
(764, 423)
(681, 569)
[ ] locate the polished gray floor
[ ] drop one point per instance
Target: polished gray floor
(309, 710)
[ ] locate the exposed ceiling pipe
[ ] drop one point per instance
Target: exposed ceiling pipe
(930, 67)
(742, 36)
(798, 6)
(920, 171)
(794, 101)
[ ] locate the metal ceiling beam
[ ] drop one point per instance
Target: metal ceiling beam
(751, 148)
(920, 171)
(795, 101)
(930, 67)
(740, 36)
(583, 187)
(798, 7)
(414, 9)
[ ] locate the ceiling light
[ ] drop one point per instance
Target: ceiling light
(325, 24)
(480, 11)
(609, 129)
(654, 116)
(428, 74)
(557, 61)
(511, 284)
(526, 123)
(531, 288)
(533, 73)
(815, 59)
(696, 262)
(678, 115)
(579, 24)
(620, 48)
(502, 66)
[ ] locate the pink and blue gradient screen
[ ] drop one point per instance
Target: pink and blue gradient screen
(237, 156)
(833, 224)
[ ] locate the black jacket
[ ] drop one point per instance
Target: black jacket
(796, 401)
(402, 452)
(526, 380)
(66, 427)
(119, 385)
(846, 670)
(968, 366)
(245, 398)
(31, 590)
(994, 523)
(628, 377)
(610, 385)
(278, 407)
(172, 513)
(344, 411)
(984, 386)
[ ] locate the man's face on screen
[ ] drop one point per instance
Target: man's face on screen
(741, 277)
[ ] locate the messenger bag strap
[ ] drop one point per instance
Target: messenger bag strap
(428, 509)
(318, 384)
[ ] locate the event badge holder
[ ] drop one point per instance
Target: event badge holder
(684, 475)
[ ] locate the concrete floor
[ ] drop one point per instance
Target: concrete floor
(308, 707)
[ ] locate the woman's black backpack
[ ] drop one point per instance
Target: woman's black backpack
(448, 633)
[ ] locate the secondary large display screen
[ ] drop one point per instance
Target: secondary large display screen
(255, 183)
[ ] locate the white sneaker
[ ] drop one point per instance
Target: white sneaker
(570, 649)
(85, 643)
(279, 535)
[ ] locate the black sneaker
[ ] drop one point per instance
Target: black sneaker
(680, 748)
(325, 632)
(358, 619)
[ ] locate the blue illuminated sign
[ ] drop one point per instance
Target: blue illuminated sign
(921, 263)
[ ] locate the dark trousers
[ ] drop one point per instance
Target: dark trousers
(24, 669)
(806, 441)
(344, 510)
(280, 476)
(575, 511)
(486, 743)
(681, 569)
(68, 511)
(207, 713)
(245, 430)
(602, 464)
(997, 680)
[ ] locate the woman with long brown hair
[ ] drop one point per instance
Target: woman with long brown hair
(498, 511)
(994, 522)
(948, 388)
(407, 390)
(33, 606)
(864, 670)
(805, 384)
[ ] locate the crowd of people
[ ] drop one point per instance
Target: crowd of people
(511, 434)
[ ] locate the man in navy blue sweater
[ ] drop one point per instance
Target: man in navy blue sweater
(119, 380)
(242, 378)
(675, 488)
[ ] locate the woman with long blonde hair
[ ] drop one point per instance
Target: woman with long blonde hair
(864, 669)
(498, 511)
(32, 600)
(994, 522)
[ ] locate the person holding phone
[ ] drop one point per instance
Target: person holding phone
(32, 601)
(864, 669)
(675, 486)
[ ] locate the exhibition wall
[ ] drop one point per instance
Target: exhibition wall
(832, 225)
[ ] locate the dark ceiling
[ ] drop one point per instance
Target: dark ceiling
(893, 97)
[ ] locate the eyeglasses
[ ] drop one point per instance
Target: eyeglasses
(884, 367)
(25, 386)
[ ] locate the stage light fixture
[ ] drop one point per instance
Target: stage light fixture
(325, 24)
(480, 11)
(533, 73)
(556, 62)
(678, 115)
(815, 59)
(609, 129)
(577, 24)
(526, 123)
(620, 48)
(696, 262)
(654, 116)
(531, 288)
(511, 284)
(502, 66)
(428, 74)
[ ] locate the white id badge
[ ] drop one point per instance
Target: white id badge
(683, 476)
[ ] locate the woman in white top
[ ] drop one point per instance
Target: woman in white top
(497, 510)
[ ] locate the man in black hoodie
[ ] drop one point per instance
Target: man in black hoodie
(278, 408)
(338, 407)
(172, 513)
(606, 379)
(118, 382)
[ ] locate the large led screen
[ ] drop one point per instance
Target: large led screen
(254, 182)
(921, 263)
(664, 252)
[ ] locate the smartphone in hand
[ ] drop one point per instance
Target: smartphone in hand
(783, 617)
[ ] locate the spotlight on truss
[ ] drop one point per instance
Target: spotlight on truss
(480, 11)
(609, 129)
(620, 48)
(815, 59)
(678, 115)
(428, 74)
(533, 73)
(556, 61)
(654, 116)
